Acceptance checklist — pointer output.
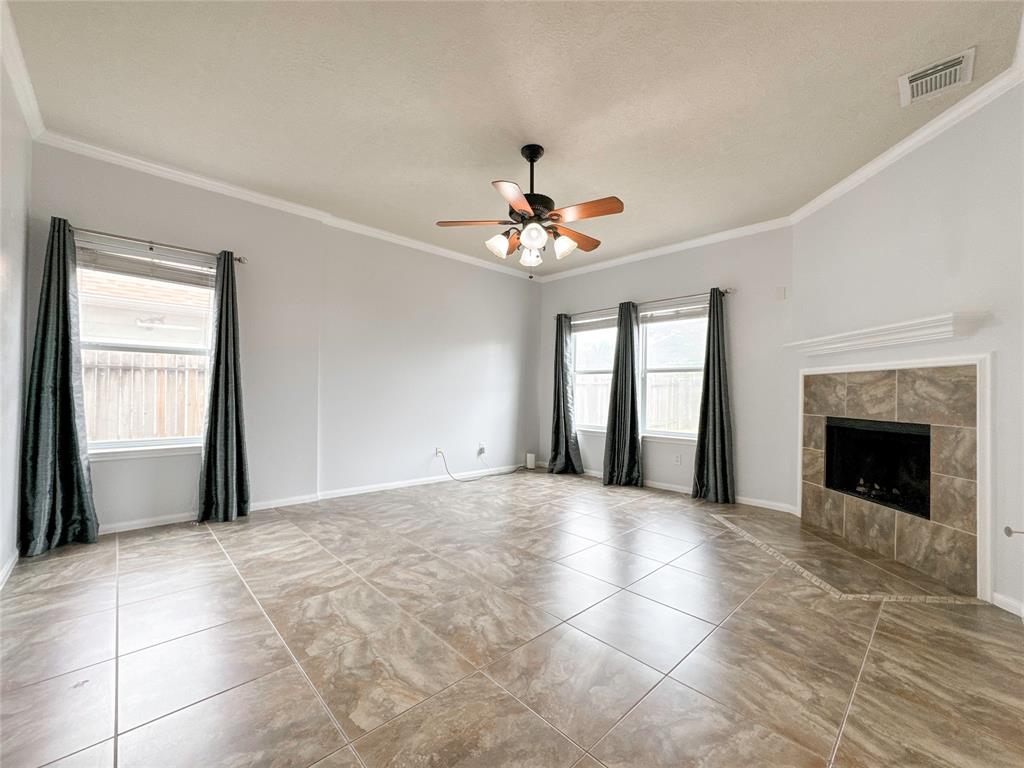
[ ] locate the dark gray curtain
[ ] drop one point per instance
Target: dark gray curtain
(565, 446)
(224, 480)
(622, 464)
(56, 490)
(713, 469)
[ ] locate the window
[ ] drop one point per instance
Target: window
(145, 333)
(672, 373)
(594, 351)
(672, 343)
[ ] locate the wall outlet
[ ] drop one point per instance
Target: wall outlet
(437, 452)
(678, 460)
(481, 449)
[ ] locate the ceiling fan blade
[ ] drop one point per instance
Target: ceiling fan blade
(474, 223)
(585, 242)
(603, 207)
(513, 243)
(513, 196)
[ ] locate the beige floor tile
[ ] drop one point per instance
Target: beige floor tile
(706, 598)
(422, 582)
(473, 724)
(676, 726)
(147, 583)
(883, 729)
(297, 573)
(275, 721)
(551, 542)
(616, 566)
(171, 616)
(325, 621)
(155, 554)
(343, 758)
(801, 701)
(371, 680)
(682, 528)
(595, 529)
(653, 633)
(497, 564)
(32, 574)
(559, 590)
(728, 555)
(99, 756)
(577, 683)
(159, 680)
(656, 546)
(41, 607)
(47, 650)
(56, 717)
(486, 625)
(127, 539)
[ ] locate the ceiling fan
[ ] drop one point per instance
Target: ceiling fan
(534, 218)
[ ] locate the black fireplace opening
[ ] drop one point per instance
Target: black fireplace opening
(886, 462)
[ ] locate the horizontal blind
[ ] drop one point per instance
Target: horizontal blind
(154, 267)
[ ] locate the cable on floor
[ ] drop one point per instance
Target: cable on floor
(481, 477)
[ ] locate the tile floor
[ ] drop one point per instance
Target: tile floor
(527, 620)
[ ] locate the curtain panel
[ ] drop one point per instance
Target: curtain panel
(56, 505)
(622, 463)
(224, 478)
(713, 468)
(565, 446)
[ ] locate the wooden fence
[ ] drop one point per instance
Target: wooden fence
(143, 395)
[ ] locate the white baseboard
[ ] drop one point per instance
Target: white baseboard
(684, 489)
(358, 489)
(1016, 607)
(146, 522)
(777, 506)
(285, 502)
(8, 567)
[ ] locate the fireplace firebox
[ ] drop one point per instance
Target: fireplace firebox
(882, 461)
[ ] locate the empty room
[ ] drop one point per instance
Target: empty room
(511, 384)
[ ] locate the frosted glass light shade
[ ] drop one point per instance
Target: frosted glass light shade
(564, 246)
(498, 245)
(530, 258)
(534, 236)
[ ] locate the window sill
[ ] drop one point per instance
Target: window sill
(591, 430)
(670, 439)
(144, 451)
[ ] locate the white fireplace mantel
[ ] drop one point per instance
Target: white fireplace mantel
(935, 328)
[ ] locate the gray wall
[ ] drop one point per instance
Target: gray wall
(359, 356)
(15, 172)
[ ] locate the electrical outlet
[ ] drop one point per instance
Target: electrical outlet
(481, 449)
(678, 460)
(437, 452)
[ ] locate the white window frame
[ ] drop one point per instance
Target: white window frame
(591, 322)
(97, 252)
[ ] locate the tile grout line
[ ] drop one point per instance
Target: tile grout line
(853, 692)
(295, 660)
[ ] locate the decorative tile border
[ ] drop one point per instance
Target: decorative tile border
(836, 593)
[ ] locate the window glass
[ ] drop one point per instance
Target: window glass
(673, 374)
(595, 353)
(595, 349)
(677, 343)
(144, 357)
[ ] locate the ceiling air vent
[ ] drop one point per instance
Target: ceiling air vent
(936, 78)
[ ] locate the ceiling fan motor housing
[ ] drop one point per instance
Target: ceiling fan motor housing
(542, 205)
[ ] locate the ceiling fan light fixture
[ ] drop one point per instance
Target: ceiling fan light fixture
(531, 258)
(564, 246)
(498, 245)
(534, 236)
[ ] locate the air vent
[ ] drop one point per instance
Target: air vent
(937, 78)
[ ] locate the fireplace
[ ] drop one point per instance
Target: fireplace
(885, 462)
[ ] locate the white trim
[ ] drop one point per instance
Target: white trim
(665, 250)
(1007, 603)
(962, 109)
(360, 489)
(144, 451)
(923, 329)
(148, 522)
(283, 502)
(669, 439)
(14, 60)
(170, 173)
(983, 365)
(8, 567)
(776, 505)
(684, 489)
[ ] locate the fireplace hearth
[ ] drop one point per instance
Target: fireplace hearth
(884, 462)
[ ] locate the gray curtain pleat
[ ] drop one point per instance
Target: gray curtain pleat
(622, 464)
(56, 488)
(565, 446)
(224, 479)
(713, 469)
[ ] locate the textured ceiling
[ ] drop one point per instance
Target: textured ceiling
(700, 116)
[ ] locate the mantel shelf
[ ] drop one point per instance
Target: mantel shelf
(925, 329)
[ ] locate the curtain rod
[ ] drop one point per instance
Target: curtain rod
(655, 301)
(239, 259)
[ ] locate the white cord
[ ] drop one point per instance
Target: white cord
(474, 479)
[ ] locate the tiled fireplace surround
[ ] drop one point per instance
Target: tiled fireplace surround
(944, 397)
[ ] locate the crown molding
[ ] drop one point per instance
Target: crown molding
(925, 329)
(973, 102)
(14, 61)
